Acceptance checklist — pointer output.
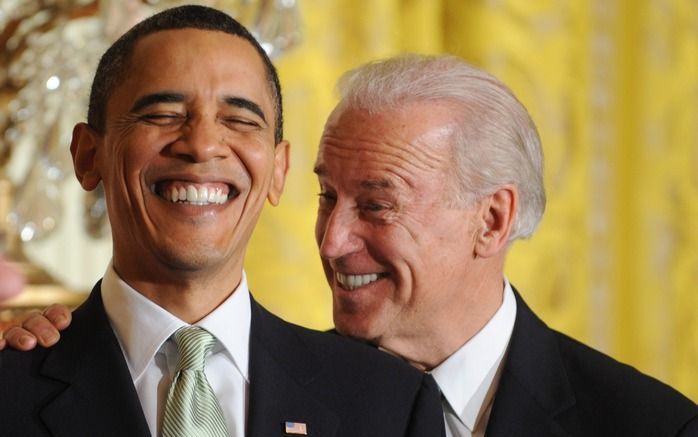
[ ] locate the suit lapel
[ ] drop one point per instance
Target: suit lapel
(99, 397)
(282, 368)
(534, 392)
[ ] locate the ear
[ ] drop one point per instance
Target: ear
(281, 164)
(84, 147)
(496, 216)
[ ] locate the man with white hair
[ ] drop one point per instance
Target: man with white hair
(429, 169)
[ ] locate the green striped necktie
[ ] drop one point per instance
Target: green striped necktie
(192, 409)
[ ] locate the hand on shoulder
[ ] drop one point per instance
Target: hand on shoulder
(37, 328)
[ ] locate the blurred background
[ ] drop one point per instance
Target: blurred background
(611, 84)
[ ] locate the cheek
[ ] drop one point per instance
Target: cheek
(396, 245)
(130, 152)
(406, 258)
(256, 156)
(122, 180)
(126, 171)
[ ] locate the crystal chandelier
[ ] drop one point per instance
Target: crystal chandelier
(51, 49)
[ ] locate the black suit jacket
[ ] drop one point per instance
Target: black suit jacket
(552, 385)
(338, 387)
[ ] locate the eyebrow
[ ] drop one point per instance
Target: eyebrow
(377, 184)
(369, 184)
(151, 99)
(172, 97)
(243, 103)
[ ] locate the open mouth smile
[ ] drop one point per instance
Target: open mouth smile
(194, 193)
(353, 281)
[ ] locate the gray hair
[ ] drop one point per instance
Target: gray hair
(496, 140)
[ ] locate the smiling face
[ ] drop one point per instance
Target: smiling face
(395, 248)
(187, 158)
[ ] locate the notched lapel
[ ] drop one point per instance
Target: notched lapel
(99, 398)
(281, 369)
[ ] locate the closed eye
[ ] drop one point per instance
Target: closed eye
(243, 123)
(373, 207)
(162, 119)
(327, 197)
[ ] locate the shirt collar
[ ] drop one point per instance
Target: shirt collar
(464, 377)
(230, 324)
(142, 326)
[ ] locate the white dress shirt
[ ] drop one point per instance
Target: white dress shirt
(144, 329)
(466, 377)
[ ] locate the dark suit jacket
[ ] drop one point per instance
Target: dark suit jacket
(82, 387)
(552, 385)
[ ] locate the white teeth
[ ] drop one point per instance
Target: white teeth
(196, 196)
(351, 282)
(192, 194)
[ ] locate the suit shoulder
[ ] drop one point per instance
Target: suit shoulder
(17, 367)
(21, 385)
(608, 387)
(22, 378)
(376, 393)
(356, 355)
(344, 361)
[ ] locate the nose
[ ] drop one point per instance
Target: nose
(338, 233)
(202, 140)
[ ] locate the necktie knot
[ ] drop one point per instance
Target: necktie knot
(193, 343)
(192, 408)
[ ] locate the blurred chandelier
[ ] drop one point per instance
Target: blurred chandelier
(50, 49)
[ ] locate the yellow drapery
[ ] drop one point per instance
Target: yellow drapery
(613, 88)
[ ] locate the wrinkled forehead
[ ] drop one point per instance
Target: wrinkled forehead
(194, 63)
(418, 134)
(172, 55)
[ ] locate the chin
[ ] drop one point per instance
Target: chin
(355, 327)
(190, 260)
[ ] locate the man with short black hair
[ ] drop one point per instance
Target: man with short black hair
(184, 132)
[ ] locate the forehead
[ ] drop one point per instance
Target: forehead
(197, 62)
(392, 147)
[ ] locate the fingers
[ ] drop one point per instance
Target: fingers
(59, 315)
(19, 339)
(41, 327)
(35, 329)
(38, 328)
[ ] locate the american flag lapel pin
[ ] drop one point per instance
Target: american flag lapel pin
(295, 428)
